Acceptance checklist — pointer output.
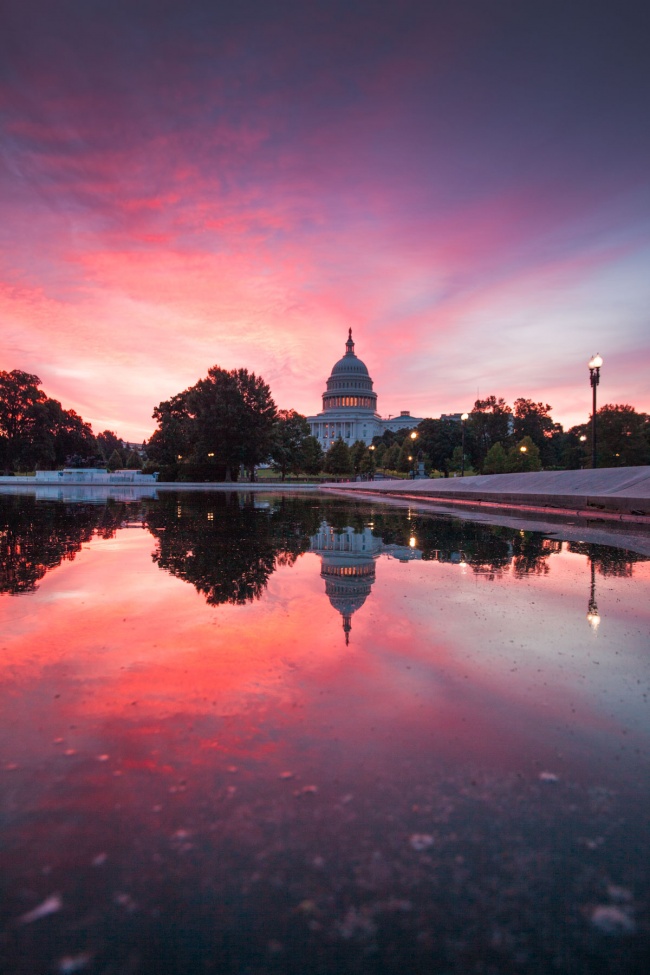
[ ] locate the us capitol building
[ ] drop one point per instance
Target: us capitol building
(350, 405)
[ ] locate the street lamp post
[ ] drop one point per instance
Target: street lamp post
(594, 378)
(413, 436)
(463, 419)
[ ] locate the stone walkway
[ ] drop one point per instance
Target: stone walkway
(620, 493)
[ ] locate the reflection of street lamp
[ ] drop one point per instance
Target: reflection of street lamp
(463, 419)
(594, 379)
(593, 616)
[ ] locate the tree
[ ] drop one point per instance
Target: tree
(368, 464)
(622, 436)
(391, 457)
(134, 461)
(313, 456)
(496, 461)
(337, 458)
(534, 420)
(115, 461)
(456, 460)
(171, 441)
(107, 442)
(233, 414)
(524, 456)
(290, 431)
(357, 450)
(408, 454)
(490, 422)
(440, 438)
(19, 395)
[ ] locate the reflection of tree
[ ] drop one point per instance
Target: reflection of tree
(486, 549)
(37, 536)
(608, 561)
(228, 545)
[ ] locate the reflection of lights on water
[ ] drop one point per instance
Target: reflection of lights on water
(593, 617)
(412, 541)
(210, 515)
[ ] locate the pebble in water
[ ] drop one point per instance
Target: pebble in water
(612, 920)
(74, 963)
(421, 841)
(50, 905)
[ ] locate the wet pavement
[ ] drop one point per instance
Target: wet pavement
(253, 734)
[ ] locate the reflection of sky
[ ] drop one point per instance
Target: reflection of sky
(504, 671)
(465, 185)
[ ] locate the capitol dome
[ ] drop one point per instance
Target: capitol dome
(349, 386)
(350, 406)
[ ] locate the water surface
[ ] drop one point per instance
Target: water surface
(260, 734)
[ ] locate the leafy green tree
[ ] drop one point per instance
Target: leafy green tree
(290, 432)
(456, 461)
(19, 395)
(524, 456)
(496, 460)
(534, 420)
(134, 461)
(233, 414)
(338, 459)
(368, 464)
(115, 461)
(107, 442)
(391, 457)
(440, 438)
(357, 450)
(379, 453)
(172, 441)
(490, 421)
(407, 455)
(313, 456)
(622, 436)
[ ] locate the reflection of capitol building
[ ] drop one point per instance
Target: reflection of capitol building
(350, 405)
(348, 566)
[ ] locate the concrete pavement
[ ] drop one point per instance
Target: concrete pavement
(621, 493)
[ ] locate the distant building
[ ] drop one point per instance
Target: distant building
(350, 405)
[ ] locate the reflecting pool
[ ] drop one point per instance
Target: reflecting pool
(262, 734)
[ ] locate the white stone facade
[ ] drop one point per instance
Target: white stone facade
(350, 405)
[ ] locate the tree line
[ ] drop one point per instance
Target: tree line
(227, 547)
(36, 432)
(227, 424)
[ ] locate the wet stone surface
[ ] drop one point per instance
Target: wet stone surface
(247, 786)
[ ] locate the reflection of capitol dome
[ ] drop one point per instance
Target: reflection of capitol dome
(347, 588)
(348, 568)
(350, 405)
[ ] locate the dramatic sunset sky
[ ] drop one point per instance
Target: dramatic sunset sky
(465, 183)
